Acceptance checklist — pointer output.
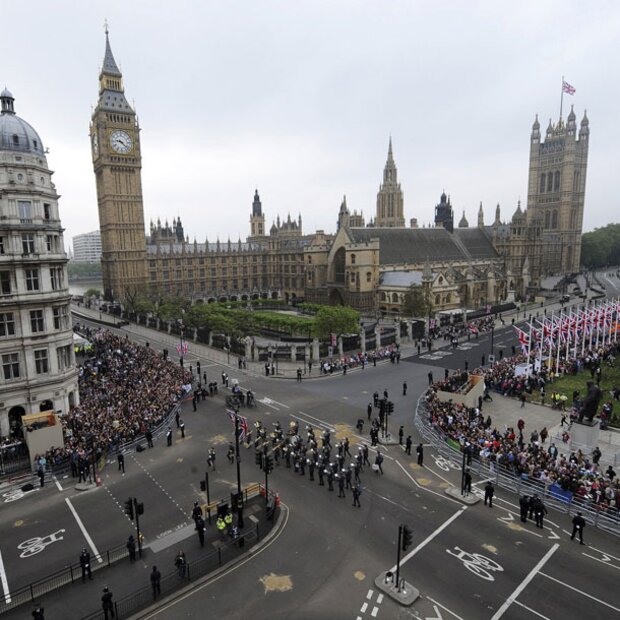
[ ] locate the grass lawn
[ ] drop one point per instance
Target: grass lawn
(610, 378)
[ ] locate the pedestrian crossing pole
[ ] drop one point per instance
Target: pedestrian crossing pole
(400, 542)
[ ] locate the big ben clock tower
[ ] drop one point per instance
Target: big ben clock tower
(115, 144)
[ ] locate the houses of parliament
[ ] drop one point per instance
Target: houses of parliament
(366, 265)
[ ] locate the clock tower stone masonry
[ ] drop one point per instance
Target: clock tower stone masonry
(117, 162)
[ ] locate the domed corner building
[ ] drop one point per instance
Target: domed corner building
(37, 361)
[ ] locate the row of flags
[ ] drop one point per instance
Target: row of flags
(243, 423)
(182, 348)
(571, 332)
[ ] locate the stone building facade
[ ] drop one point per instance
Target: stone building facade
(467, 266)
(37, 365)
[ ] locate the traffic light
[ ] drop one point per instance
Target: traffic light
(140, 508)
(390, 406)
(407, 538)
(269, 463)
(468, 451)
(258, 457)
(203, 485)
(129, 508)
(382, 405)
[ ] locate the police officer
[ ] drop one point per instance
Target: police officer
(168, 436)
(341, 480)
(321, 471)
(182, 427)
(375, 400)
(408, 443)
(85, 564)
(578, 524)
(221, 526)
(106, 603)
(200, 526)
(379, 461)
(347, 477)
(467, 486)
(155, 582)
(330, 479)
(524, 504)
(357, 491)
(369, 411)
(404, 388)
(228, 520)
(131, 548)
(37, 614)
(365, 455)
(420, 452)
(121, 462)
(489, 491)
(311, 469)
(196, 513)
(539, 512)
(211, 458)
(401, 434)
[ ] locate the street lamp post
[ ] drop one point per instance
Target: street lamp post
(239, 493)
(492, 337)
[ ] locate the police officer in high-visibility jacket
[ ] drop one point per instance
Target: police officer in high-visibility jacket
(221, 527)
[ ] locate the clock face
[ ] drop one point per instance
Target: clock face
(95, 144)
(121, 141)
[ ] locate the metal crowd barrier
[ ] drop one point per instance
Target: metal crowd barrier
(594, 514)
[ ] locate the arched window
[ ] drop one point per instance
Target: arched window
(310, 260)
(15, 139)
(554, 219)
(542, 182)
(353, 259)
(437, 300)
(547, 219)
(394, 298)
(368, 276)
(556, 182)
(550, 181)
(383, 297)
(448, 298)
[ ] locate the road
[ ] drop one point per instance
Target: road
(324, 561)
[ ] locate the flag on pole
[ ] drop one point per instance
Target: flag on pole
(567, 88)
(524, 340)
(182, 348)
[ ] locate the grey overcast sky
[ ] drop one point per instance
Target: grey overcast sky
(298, 98)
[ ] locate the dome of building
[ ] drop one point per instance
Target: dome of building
(15, 133)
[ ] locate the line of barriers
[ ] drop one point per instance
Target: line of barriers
(553, 496)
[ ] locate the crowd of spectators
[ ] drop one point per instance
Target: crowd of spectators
(533, 458)
(125, 389)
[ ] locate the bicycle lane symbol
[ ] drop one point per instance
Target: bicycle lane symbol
(478, 564)
(32, 546)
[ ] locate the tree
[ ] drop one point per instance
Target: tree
(92, 292)
(418, 302)
(336, 320)
(601, 247)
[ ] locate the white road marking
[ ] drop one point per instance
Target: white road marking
(267, 401)
(364, 607)
(437, 613)
(89, 540)
(508, 519)
(57, 483)
(442, 607)
(508, 602)
(598, 600)
(442, 495)
(374, 612)
(322, 422)
(311, 423)
(369, 594)
(602, 561)
(281, 404)
(533, 611)
(380, 599)
(5, 583)
(428, 539)
(605, 553)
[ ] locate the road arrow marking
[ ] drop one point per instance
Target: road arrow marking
(437, 615)
(553, 535)
(507, 519)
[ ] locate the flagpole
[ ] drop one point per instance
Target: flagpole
(562, 97)
(557, 360)
(529, 349)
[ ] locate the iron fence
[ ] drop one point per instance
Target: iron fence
(553, 496)
(173, 581)
(70, 574)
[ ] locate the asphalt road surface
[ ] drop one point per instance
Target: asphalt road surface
(324, 561)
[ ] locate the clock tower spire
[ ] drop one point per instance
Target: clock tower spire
(117, 162)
